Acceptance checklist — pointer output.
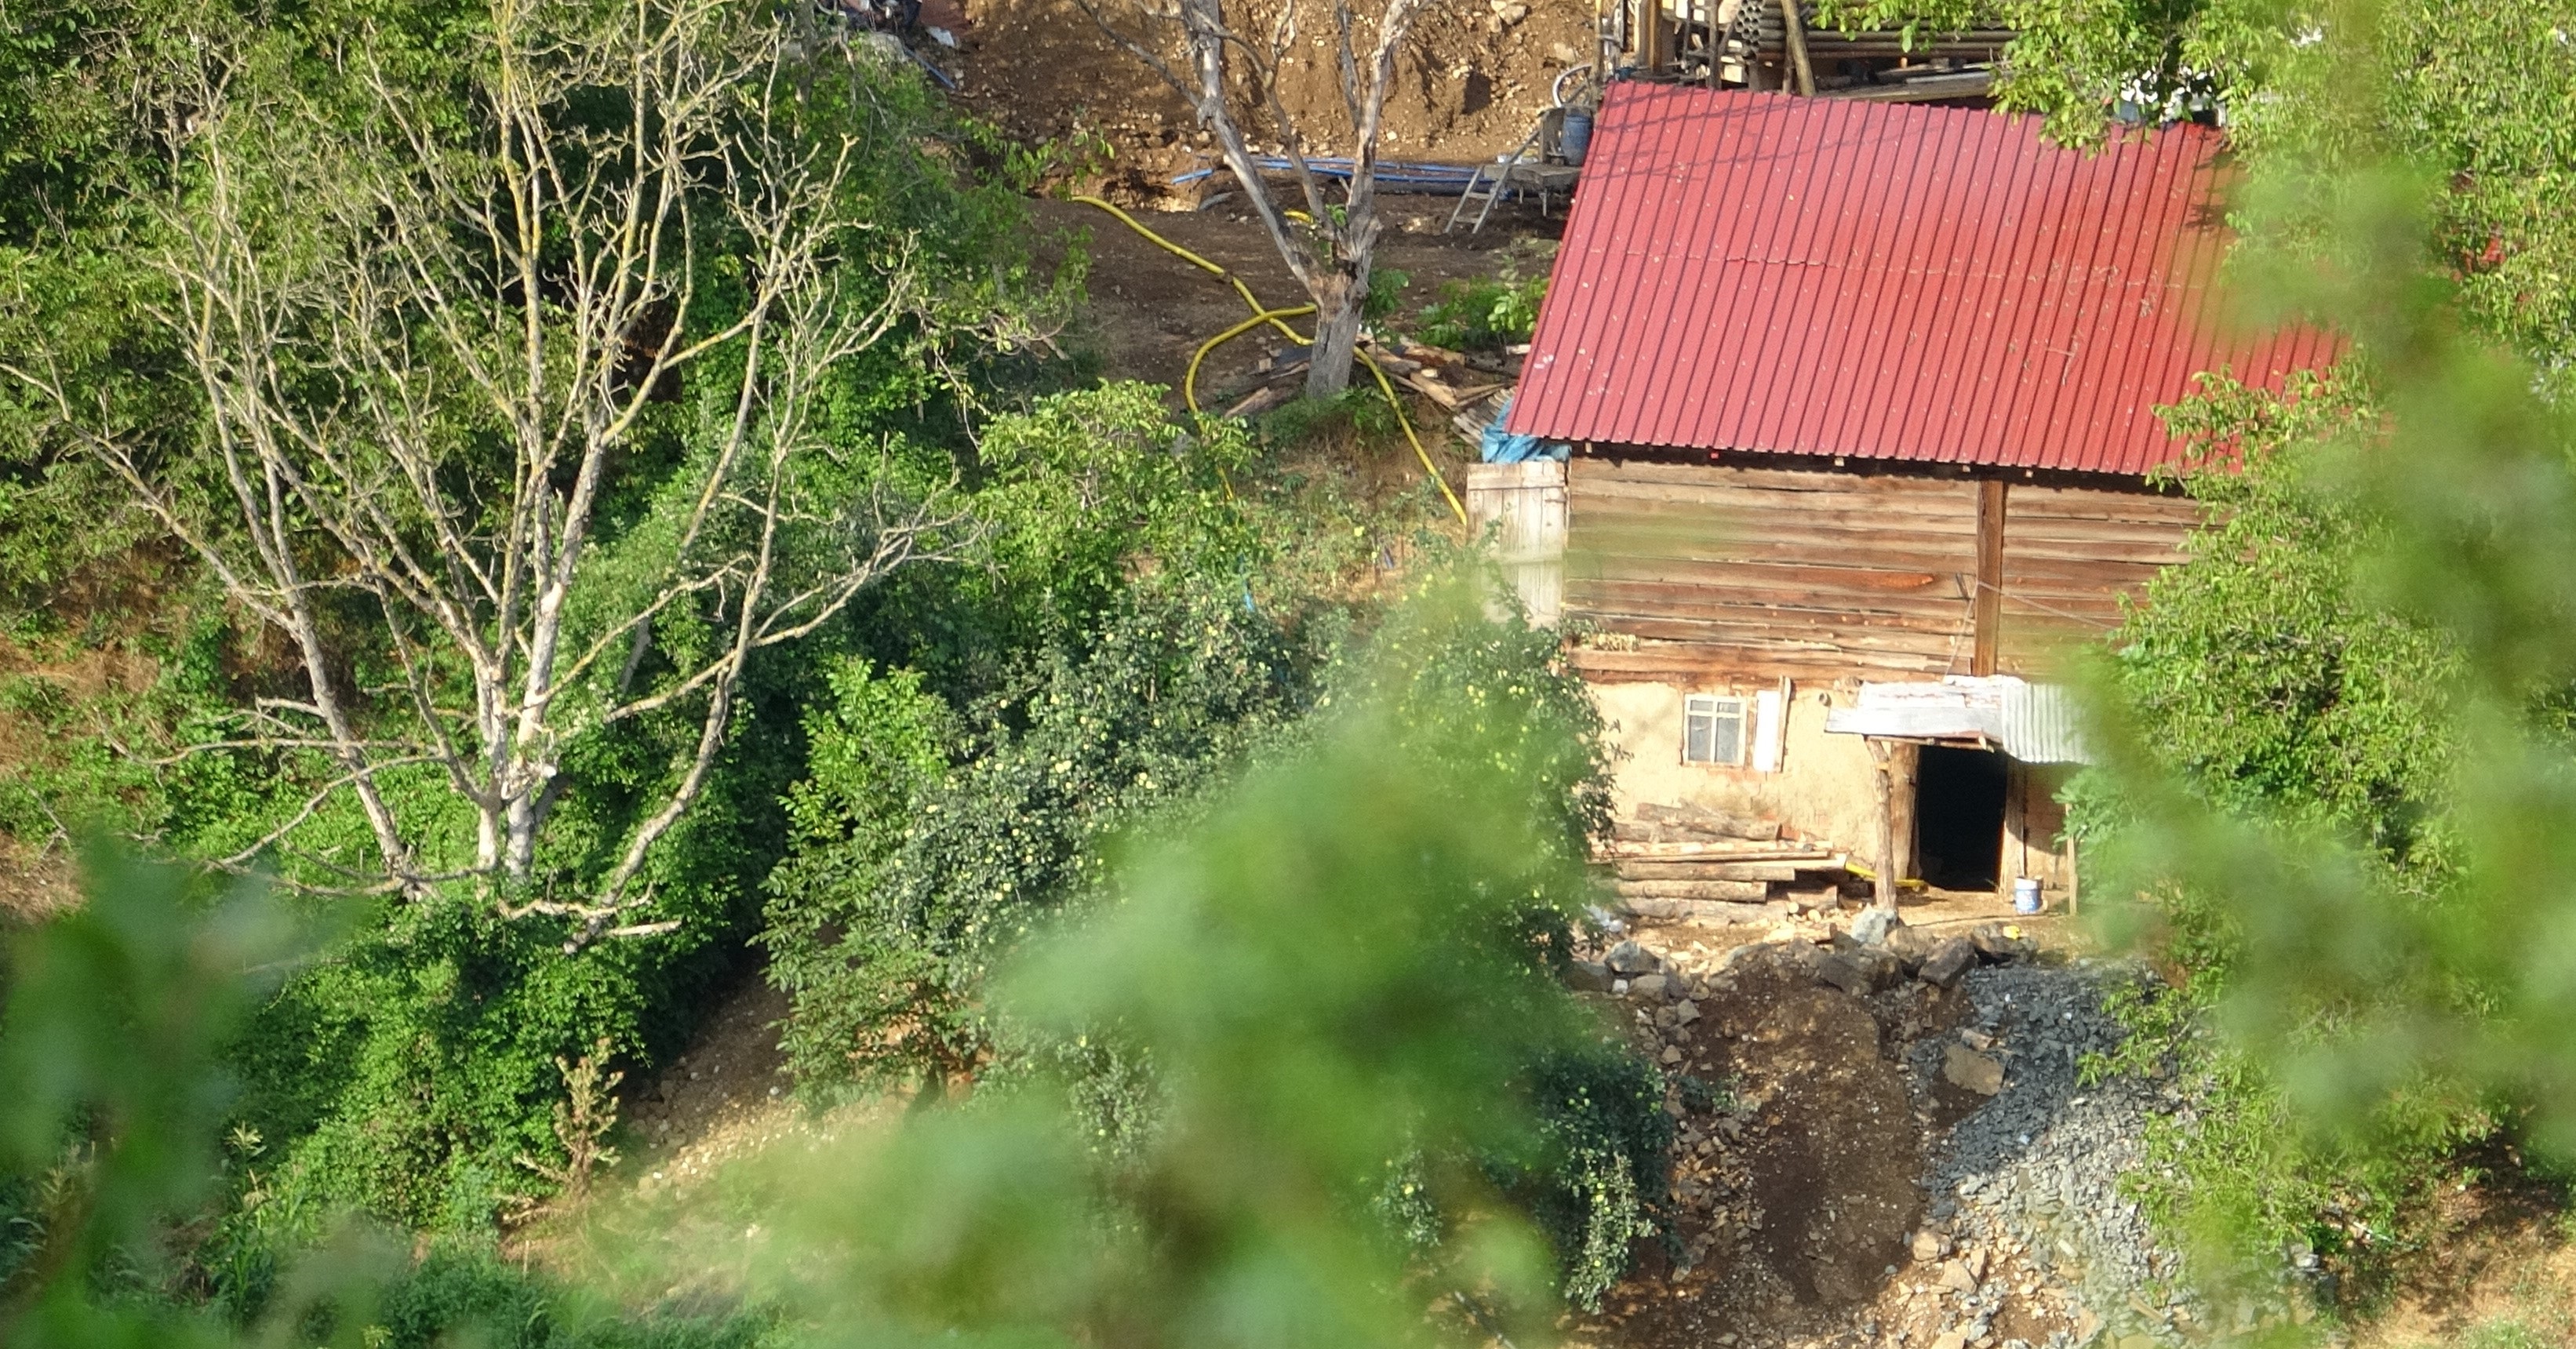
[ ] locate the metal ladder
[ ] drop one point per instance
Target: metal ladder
(1490, 190)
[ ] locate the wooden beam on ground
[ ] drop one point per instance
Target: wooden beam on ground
(1647, 870)
(1706, 911)
(1740, 891)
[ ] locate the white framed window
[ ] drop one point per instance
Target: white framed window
(1712, 729)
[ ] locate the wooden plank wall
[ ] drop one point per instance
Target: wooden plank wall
(1769, 572)
(1699, 570)
(2070, 553)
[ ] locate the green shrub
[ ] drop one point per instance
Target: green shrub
(935, 846)
(466, 1293)
(1485, 315)
(2261, 684)
(928, 852)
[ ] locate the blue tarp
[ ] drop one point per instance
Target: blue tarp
(1501, 447)
(1391, 173)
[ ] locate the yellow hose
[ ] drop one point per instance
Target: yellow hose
(1190, 381)
(1407, 423)
(1276, 318)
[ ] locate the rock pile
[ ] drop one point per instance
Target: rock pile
(2021, 1238)
(2032, 1177)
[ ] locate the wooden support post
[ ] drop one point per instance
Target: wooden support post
(1904, 769)
(2012, 853)
(1793, 27)
(1883, 889)
(1651, 38)
(1988, 609)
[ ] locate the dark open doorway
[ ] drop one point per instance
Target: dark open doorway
(1958, 817)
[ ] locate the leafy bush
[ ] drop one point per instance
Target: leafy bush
(1301, 1032)
(467, 1293)
(1484, 315)
(933, 852)
(927, 854)
(2277, 696)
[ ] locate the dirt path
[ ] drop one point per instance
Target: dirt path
(1147, 310)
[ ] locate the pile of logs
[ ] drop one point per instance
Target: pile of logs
(1693, 864)
(1457, 382)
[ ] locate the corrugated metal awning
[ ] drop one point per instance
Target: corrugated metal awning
(2035, 723)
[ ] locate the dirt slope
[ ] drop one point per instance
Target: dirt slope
(1470, 83)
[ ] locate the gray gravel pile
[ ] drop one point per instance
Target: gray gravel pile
(2036, 1170)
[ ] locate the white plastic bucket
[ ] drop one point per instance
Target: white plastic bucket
(2026, 895)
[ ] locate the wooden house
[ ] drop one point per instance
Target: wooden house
(1861, 407)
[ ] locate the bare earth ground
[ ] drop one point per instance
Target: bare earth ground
(1798, 1198)
(1469, 84)
(1148, 310)
(2500, 1274)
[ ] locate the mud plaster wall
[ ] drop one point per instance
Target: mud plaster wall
(1827, 786)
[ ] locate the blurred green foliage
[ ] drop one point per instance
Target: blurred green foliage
(1302, 1068)
(932, 846)
(1311, 1028)
(2341, 750)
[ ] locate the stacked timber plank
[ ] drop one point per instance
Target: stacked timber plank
(1828, 45)
(1693, 864)
(1459, 383)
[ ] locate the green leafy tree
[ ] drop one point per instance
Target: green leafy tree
(2345, 815)
(1333, 985)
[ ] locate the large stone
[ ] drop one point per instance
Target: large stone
(1951, 1339)
(1911, 944)
(1930, 1246)
(1629, 958)
(1977, 1072)
(1881, 965)
(1685, 1012)
(1588, 976)
(1844, 973)
(1950, 960)
(1648, 986)
(1873, 925)
(1956, 1276)
(2000, 943)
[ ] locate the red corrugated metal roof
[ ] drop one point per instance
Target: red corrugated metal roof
(1816, 276)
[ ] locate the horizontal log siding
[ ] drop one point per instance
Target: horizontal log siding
(1764, 572)
(1751, 573)
(2070, 554)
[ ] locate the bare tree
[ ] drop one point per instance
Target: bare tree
(428, 344)
(1330, 251)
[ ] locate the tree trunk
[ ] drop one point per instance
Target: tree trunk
(1337, 332)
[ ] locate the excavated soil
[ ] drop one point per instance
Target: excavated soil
(1470, 83)
(1845, 1177)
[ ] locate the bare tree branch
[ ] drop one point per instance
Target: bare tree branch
(1331, 253)
(424, 353)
